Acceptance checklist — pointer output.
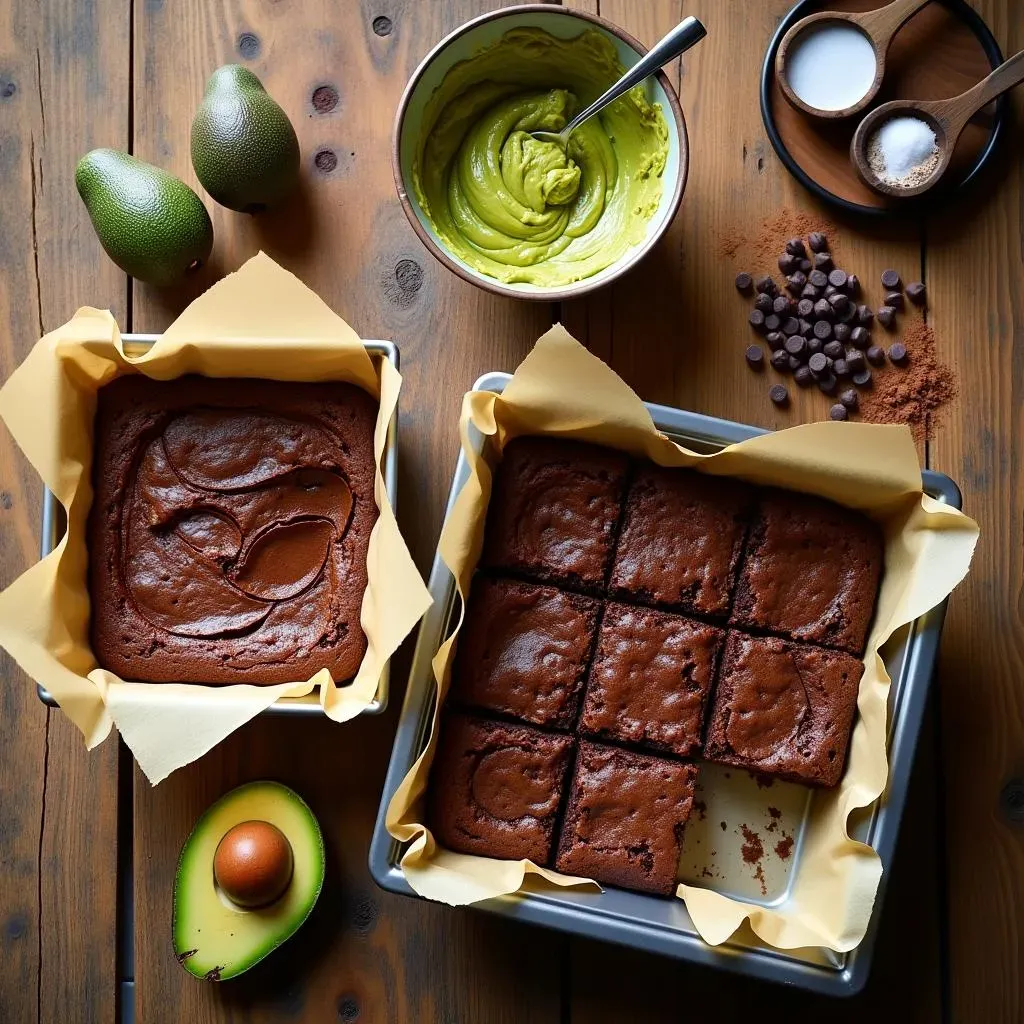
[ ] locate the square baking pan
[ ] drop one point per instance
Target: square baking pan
(663, 925)
(54, 525)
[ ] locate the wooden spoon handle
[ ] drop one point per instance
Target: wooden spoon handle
(960, 109)
(884, 23)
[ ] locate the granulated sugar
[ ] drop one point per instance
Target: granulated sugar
(903, 152)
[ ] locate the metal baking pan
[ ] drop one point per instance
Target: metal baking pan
(55, 523)
(663, 925)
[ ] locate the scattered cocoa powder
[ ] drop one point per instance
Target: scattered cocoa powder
(763, 781)
(759, 875)
(723, 824)
(915, 394)
(761, 248)
(775, 812)
(753, 848)
(784, 847)
(701, 808)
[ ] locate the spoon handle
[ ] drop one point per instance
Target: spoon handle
(682, 37)
(963, 107)
(884, 23)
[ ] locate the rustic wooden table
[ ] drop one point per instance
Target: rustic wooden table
(128, 74)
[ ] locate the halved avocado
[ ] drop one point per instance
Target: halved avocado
(216, 939)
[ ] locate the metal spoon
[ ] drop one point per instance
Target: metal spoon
(688, 32)
(947, 118)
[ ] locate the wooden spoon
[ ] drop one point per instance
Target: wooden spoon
(879, 26)
(947, 118)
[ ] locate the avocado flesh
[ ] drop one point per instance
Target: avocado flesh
(216, 940)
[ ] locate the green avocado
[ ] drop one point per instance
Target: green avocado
(216, 938)
(244, 148)
(152, 225)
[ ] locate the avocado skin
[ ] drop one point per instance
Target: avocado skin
(151, 224)
(244, 149)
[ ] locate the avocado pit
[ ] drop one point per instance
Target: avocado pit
(253, 864)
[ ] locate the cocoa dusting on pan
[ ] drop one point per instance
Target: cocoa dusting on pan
(916, 393)
(759, 875)
(775, 812)
(701, 808)
(724, 826)
(775, 815)
(753, 848)
(784, 847)
(763, 781)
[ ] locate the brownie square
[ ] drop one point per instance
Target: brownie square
(784, 709)
(811, 571)
(624, 822)
(681, 539)
(495, 788)
(554, 510)
(523, 650)
(650, 679)
(229, 529)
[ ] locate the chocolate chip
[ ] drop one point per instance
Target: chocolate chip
(841, 332)
(862, 379)
(795, 282)
(778, 394)
(775, 340)
(823, 309)
(864, 314)
(823, 261)
(814, 345)
(787, 263)
(859, 337)
(819, 363)
(885, 315)
(790, 325)
(744, 282)
(840, 368)
(810, 292)
(756, 319)
(898, 353)
(838, 412)
(890, 280)
(795, 247)
(852, 284)
(382, 25)
(805, 327)
(916, 293)
(830, 290)
(795, 362)
(818, 278)
(817, 241)
(796, 345)
(876, 355)
(772, 322)
(848, 314)
(803, 377)
(839, 302)
(766, 284)
(838, 278)
(805, 307)
(894, 299)
(834, 350)
(755, 357)
(828, 383)
(849, 398)
(780, 360)
(782, 304)
(855, 361)
(764, 302)
(805, 265)
(822, 329)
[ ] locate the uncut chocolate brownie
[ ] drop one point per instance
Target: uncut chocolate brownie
(811, 571)
(650, 679)
(625, 818)
(554, 510)
(495, 788)
(681, 540)
(523, 650)
(784, 709)
(229, 527)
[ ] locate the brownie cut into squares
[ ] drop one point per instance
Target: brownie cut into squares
(523, 650)
(495, 788)
(650, 679)
(811, 571)
(784, 709)
(625, 818)
(554, 510)
(682, 535)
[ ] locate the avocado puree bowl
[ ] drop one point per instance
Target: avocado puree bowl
(520, 217)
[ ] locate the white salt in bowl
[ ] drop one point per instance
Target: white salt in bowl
(462, 44)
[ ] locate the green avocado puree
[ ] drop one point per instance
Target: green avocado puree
(521, 210)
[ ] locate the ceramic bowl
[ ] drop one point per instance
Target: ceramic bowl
(462, 44)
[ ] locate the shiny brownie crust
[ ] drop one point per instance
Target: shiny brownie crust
(523, 651)
(229, 527)
(495, 788)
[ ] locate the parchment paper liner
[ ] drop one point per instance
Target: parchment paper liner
(259, 322)
(560, 388)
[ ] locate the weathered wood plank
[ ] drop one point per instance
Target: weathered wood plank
(977, 309)
(63, 90)
(364, 953)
